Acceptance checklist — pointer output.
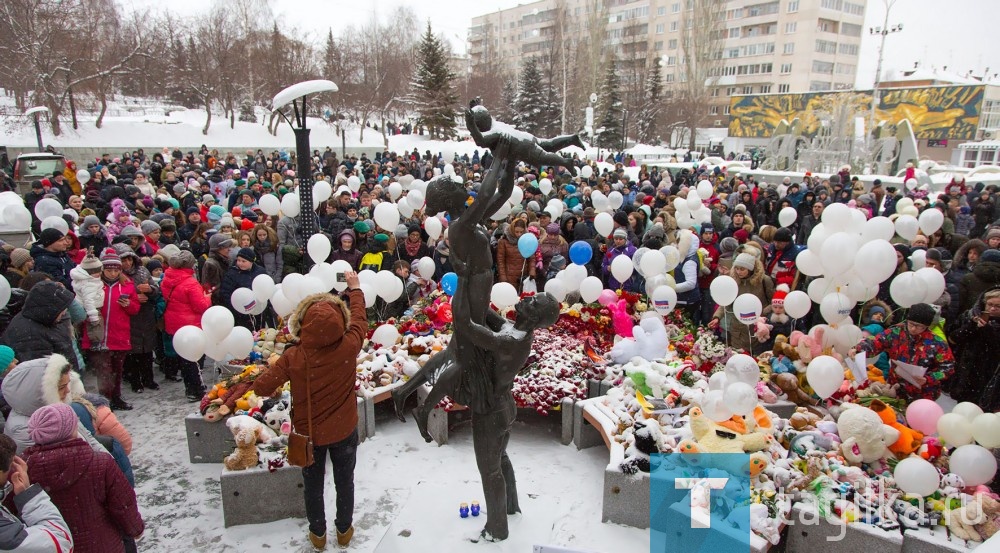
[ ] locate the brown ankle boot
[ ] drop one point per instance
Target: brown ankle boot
(318, 542)
(344, 539)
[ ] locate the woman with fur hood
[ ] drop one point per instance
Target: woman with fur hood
(512, 268)
(321, 369)
(748, 271)
(346, 249)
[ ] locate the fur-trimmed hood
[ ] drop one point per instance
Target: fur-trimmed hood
(327, 320)
(34, 384)
(867, 307)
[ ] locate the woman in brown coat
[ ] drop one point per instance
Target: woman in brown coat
(322, 370)
(511, 266)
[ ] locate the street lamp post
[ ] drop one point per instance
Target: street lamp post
(297, 95)
(885, 30)
(35, 112)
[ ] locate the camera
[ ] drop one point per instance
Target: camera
(341, 277)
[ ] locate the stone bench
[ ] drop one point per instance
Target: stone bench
(211, 442)
(257, 495)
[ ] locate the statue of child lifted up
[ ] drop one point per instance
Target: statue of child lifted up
(487, 132)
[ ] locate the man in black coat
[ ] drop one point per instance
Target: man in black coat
(49, 253)
(38, 330)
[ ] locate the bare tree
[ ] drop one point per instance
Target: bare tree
(700, 64)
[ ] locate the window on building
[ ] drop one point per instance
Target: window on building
(793, 6)
(675, 7)
(715, 92)
(713, 110)
(767, 8)
(734, 32)
(848, 49)
(789, 48)
(765, 89)
(661, 11)
(658, 45)
(725, 110)
(673, 26)
(730, 90)
(671, 61)
(783, 88)
(747, 89)
(854, 9)
(819, 86)
(660, 27)
(672, 44)
(990, 117)
(831, 4)
(850, 29)
(826, 26)
(786, 68)
(791, 27)
(669, 78)
(846, 69)
(826, 47)
(822, 67)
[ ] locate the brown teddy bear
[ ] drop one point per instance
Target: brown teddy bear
(247, 431)
(803, 419)
(789, 384)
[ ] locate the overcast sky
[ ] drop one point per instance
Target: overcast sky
(959, 34)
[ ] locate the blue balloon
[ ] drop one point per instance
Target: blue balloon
(580, 252)
(527, 244)
(449, 283)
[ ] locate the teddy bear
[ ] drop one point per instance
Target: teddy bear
(909, 439)
(789, 384)
(710, 437)
(864, 437)
(649, 341)
(991, 508)
(645, 435)
(247, 431)
(803, 419)
(277, 419)
(979, 512)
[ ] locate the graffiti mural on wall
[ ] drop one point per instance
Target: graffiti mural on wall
(936, 112)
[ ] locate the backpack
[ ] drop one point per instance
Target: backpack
(372, 261)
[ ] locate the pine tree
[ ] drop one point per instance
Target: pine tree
(550, 122)
(650, 112)
(434, 96)
(508, 99)
(611, 110)
(529, 104)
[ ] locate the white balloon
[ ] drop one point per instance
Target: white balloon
(714, 406)
(934, 280)
(590, 289)
(808, 263)
(189, 342)
(680, 206)
(787, 216)
(825, 374)
(915, 475)
(354, 183)
(906, 289)
(968, 410)
(740, 397)
(239, 343)
(835, 308)
(742, 368)
(217, 322)
(705, 189)
(837, 217)
(918, 260)
(269, 204)
(986, 430)
(282, 305)
(907, 226)
(388, 285)
(503, 212)
(385, 335)
(290, 205)
(243, 300)
(339, 267)
(604, 224)
(797, 304)
(575, 275)
(818, 235)
(449, 169)
(717, 381)
(216, 351)
(16, 216)
(954, 429)
(292, 287)
(557, 288)
(404, 207)
(555, 208)
(747, 308)
(433, 227)
(664, 299)
(318, 247)
(877, 228)
(904, 203)
(975, 464)
(545, 185)
(395, 190)
(702, 215)
(818, 289)
(47, 207)
(637, 260)
(415, 198)
(322, 191)
(426, 268)
(587, 171)
(370, 294)
(652, 263)
(386, 216)
(57, 223)
(693, 200)
(600, 201)
(516, 195)
(4, 292)
(875, 262)
(312, 284)
(615, 199)
(83, 177)
(839, 250)
(858, 220)
(672, 256)
(503, 295)
(622, 268)
(724, 290)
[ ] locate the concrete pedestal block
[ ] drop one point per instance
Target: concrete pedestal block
(256, 496)
(208, 442)
(782, 408)
(922, 541)
(363, 420)
(584, 434)
(593, 388)
(437, 422)
(626, 498)
(566, 413)
(807, 532)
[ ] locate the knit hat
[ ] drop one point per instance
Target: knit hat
(130, 231)
(90, 220)
(360, 227)
(219, 242)
(149, 227)
(169, 251)
(552, 228)
(192, 210)
(745, 260)
(621, 218)
(707, 227)
(728, 245)
(227, 221)
(779, 294)
(179, 189)
(921, 313)
(19, 257)
(783, 235)
(49, 236)
(741, 236)
(991, 256)
(168, 224)
(183, 260)
(381, 238)
(91, 264)
(247, 253)
(110, 258)
(53, 424)
(153, 265)
(6, 357)
(620, 233)
(993, 233)
(207, 198)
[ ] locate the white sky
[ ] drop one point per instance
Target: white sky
(958, 33)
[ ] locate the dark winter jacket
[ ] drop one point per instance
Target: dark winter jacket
(145, 335)
(97, 241)
(56, 265)
(233, 280)
(977, 351)
(34, 332)
(90, 491)
(211, 276)
(352, 256)
(985, 275)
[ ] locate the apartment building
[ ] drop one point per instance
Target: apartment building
(774, 46)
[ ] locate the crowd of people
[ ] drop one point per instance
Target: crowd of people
(153, 241)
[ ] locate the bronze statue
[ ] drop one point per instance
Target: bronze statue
(524, 146)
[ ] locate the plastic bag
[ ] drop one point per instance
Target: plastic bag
(529, 286)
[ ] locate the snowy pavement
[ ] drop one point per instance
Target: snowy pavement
(182, 507)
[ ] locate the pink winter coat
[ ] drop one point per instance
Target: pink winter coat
(117, 319)
(186, 299)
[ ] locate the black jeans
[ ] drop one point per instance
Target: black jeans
(343, 456)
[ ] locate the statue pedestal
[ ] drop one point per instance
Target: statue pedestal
(429, 521)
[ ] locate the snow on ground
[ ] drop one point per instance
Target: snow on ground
(182, 507)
